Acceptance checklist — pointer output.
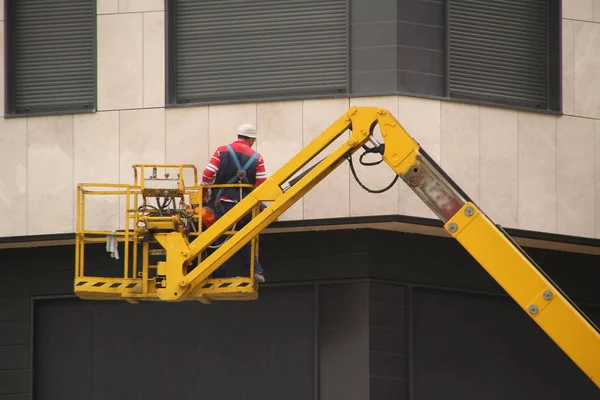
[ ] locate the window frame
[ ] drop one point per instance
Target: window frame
(10, 88)
(171, 69)
(554, 103)
(553, 64)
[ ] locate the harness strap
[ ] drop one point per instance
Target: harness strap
(241, 171)
(236, 160)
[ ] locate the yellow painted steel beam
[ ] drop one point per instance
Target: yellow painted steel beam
(505, 261)
(179, 252)
(535, 294)
(238, 288)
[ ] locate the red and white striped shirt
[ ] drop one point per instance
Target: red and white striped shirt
(239, 146)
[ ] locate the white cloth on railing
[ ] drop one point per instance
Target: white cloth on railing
(112, 245)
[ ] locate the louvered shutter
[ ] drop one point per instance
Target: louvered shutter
(259, 49)
(54, 55)
(498, 51)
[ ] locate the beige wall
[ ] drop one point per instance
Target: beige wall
(526, 170)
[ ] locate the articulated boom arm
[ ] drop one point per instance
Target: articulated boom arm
(537, 295)
(401, 153)
(173, 279)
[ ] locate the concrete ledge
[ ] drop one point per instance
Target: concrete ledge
(395, 223)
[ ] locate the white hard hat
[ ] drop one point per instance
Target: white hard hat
(247, 130)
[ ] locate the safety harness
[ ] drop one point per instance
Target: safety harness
(241, 175)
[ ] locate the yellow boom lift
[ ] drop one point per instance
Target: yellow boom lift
(172, 232)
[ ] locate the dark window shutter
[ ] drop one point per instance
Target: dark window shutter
(258, 49)
(498, 51)
(52, 56)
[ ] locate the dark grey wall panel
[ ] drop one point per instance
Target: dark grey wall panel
(449, 265)
(259, 49)
(14, 332)
(14, 357)
(52, 56)
(292, 257)
(388, 342)
(490, 339)
(420, 83)
(425, 12)
(397, 46)
(14, 381)
(14, 308)
(421, 36)
(499, 52)
(370, 11)
(13, 284)
(344, 341)
(63, 357)
(15, 397)
(373, 56)
(373, 34)
(425, 61)
(264, 347)
(374, 82)
(354, 264)
(254, 350)
(25, 272)
(52, 282)
(421, 47)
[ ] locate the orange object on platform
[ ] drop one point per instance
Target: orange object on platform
(208, 216)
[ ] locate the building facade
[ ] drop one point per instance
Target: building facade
(505, 96)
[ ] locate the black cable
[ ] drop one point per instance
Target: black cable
(367, 151)
(160, 207)
(369, 164)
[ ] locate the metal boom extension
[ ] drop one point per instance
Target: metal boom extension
(505, 261)
(174, 281)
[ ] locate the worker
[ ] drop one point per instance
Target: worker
(235, 163)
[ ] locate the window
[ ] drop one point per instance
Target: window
(51, 57)
(238, 50)
(500, 53)
(504, 52)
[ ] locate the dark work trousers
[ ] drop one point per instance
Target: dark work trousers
(246, 251)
